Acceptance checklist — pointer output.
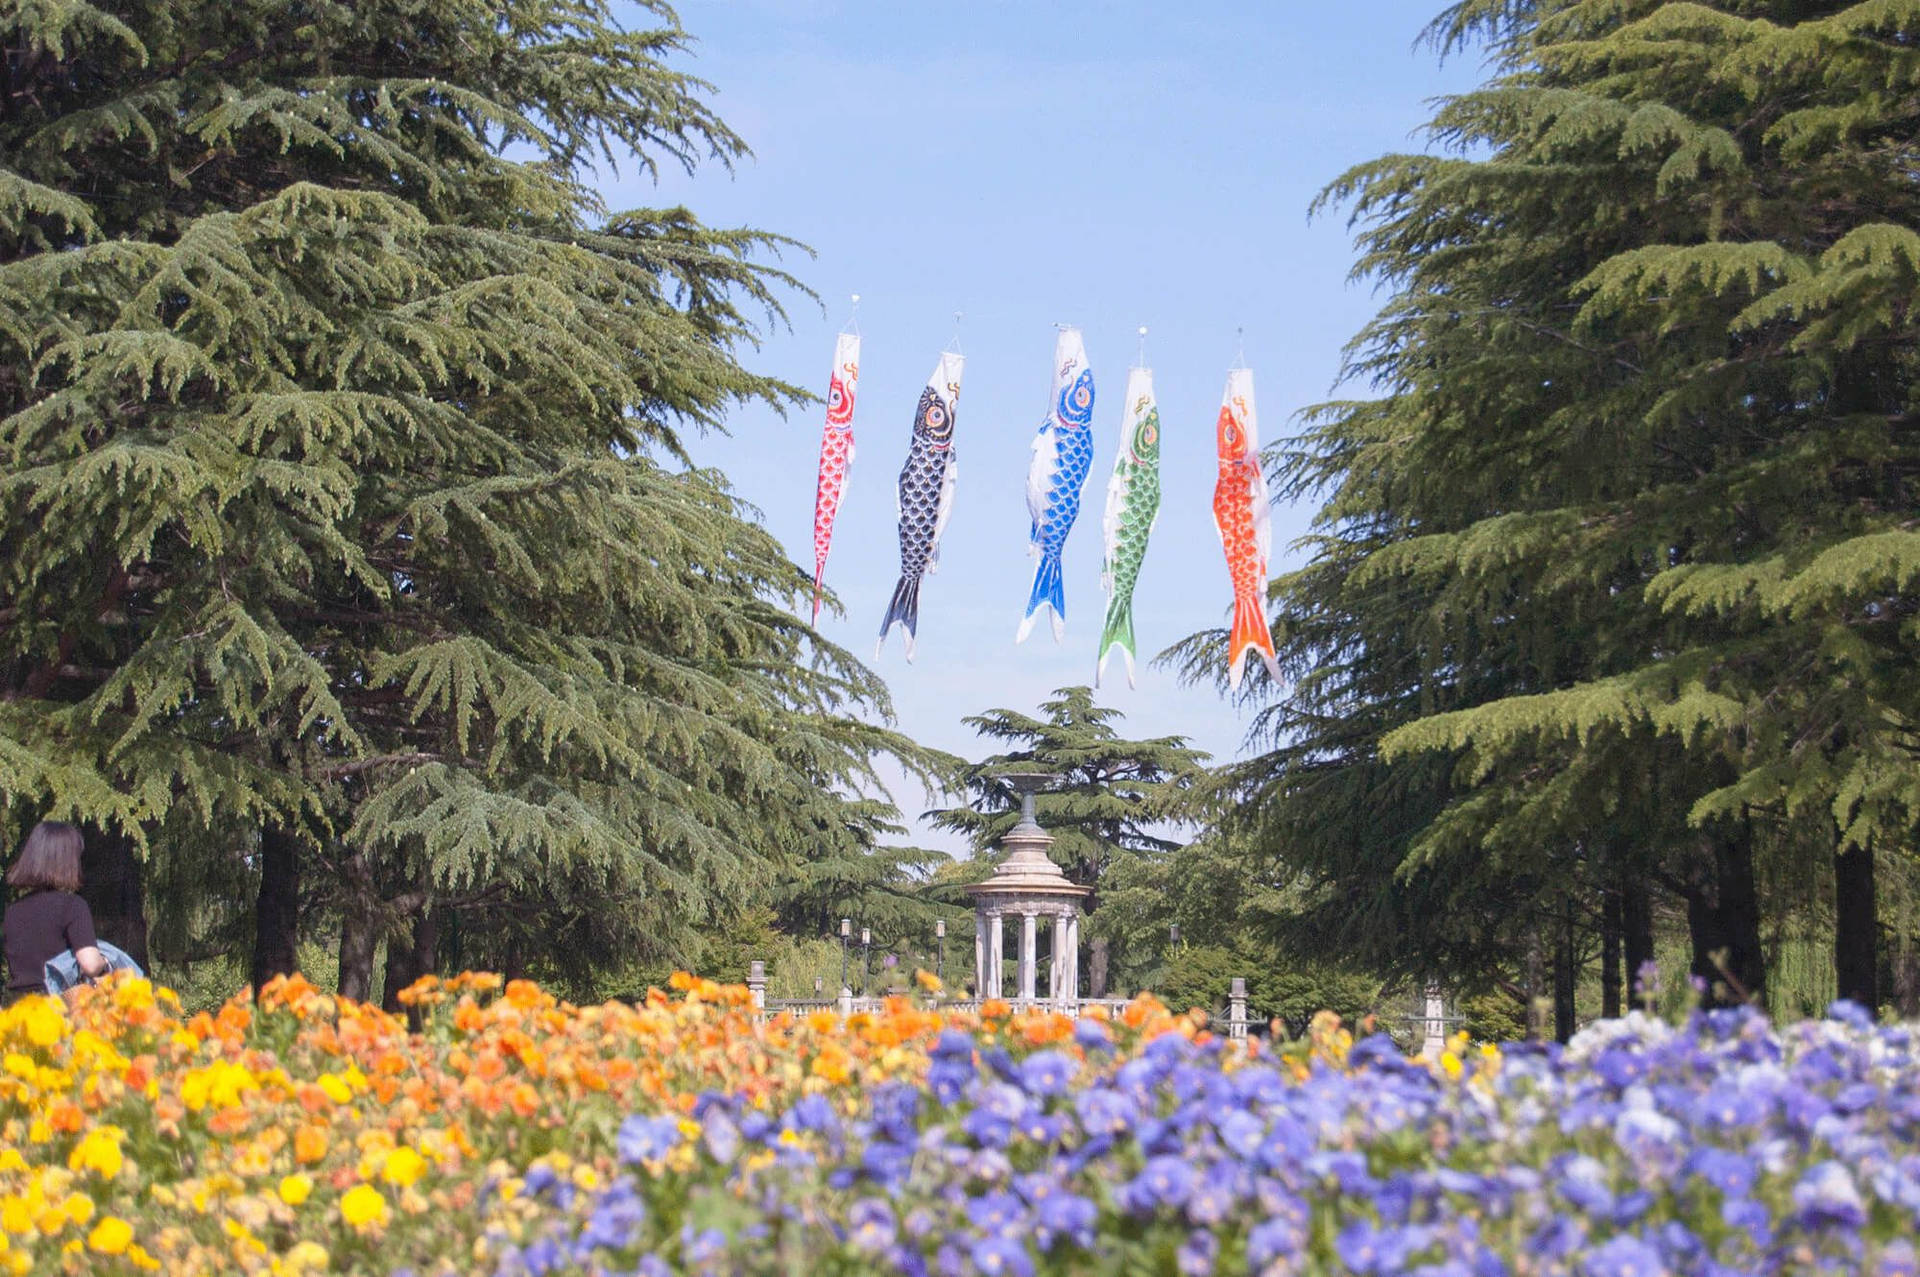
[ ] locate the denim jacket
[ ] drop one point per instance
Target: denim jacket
(62, 971)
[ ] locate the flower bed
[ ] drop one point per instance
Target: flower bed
(514, 1134)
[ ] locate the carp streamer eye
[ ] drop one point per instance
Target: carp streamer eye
(939, 423)
(839, 407)
(1076, 401)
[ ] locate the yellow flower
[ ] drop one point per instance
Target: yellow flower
(15, 1217)
(1450, 1063)
(110, 1236)
(403, 1167)
(78, 1207)
(133, 995)
(295, 1189)
(307, 1255)
(91, 1051)
(337, 1091)
(42, 1018)
(362, 1205)
(98, 1151)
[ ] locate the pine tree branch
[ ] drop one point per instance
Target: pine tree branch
(337, 771)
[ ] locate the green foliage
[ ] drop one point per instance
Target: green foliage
(1202, 975)
(1110, 798)
(1493, 1017)
(344, 485)
(1198, 976)
(1610, 585)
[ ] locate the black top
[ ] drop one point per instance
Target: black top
(42, 926)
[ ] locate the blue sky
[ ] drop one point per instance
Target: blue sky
(1106, 165)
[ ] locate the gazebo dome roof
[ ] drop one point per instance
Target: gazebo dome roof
(1027, 869)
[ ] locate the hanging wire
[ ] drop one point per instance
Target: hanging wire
(1240, 351)
(1140, 361)
(852, 326)
(953, 346)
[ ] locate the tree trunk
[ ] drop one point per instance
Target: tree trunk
(359, 939)
(407, 962)
(1536, 1021)
(1723, 920)
(398, 973)
(1856, 928)
(1563, 974)
(1636, 930)
(1740, 910)
(1610, 955)
(1097, 967)
(110, 883)
(1706, 937)
(276, 916)
(1906, 979)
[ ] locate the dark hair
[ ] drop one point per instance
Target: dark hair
(50, 857)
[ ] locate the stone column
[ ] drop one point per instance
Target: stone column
(1434, 1040)
(1057, 965)
(996, 951)
(1028, 956)
(979, 954)
(1073, 957)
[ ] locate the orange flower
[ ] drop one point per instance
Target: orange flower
(524, 994)
(66, 1117)
(309, 1144)
(833, 1063)
(229, 1121)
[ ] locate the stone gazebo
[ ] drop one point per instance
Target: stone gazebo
(1026, 887)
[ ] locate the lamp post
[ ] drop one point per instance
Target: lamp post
(846, 931)
(940, 949)
(866, 959)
